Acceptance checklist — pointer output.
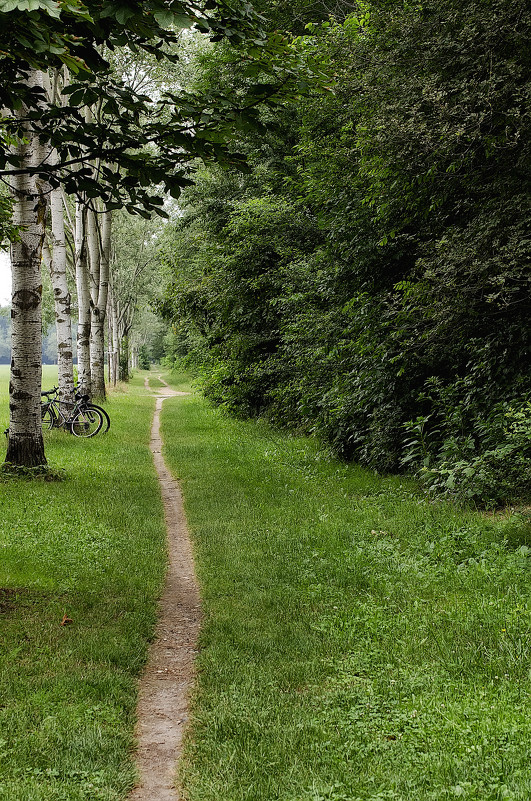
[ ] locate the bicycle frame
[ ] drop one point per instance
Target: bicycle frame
(80, 417)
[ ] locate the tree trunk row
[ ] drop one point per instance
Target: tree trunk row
(34, 201)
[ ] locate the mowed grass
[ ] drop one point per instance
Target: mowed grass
(359, 642)
(91, 547)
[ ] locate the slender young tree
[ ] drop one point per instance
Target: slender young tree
(58, 264)
(62, 298)
(99, 248)
(134, 282)
(83, 299)
(112, 338)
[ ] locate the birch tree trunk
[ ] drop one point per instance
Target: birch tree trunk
(57, 262)
(109, 337)
(83, 302)
(100, 288)
(114, 339)
(124, 358)
(115, 344)
(25, 444)
(62, 299)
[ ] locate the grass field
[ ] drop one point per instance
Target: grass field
(360, 643)
(90, 547)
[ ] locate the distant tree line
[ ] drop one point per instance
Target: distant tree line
(368, 279)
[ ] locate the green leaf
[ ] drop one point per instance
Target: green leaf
(76, 98)
(182, 21)
(164, 18)
(123, 14)
(73, 63)
(8, 5)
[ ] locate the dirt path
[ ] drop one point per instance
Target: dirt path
(164, 688)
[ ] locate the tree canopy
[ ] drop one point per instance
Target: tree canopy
(138, 141)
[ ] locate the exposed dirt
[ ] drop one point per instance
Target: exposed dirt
(15, 598)
(9, 598)
(169, 674)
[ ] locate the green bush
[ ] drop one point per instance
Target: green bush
(496, 475)
(144, 361)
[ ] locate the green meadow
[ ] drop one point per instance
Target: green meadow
(90, 547)
(359, 642)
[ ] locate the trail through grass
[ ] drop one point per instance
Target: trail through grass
(360, 643)
(92, 548)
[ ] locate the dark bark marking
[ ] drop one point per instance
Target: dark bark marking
(20, 395)
(27, 299)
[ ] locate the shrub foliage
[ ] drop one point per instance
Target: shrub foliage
(368, 280)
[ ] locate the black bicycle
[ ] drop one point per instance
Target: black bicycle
(79, 417)
(85, 399)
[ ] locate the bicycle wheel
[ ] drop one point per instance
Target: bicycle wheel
(48, 417)
(106, 418)
(86, 423)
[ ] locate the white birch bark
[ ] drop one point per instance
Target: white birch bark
(83, 301)
(114, 339)
(108, 317)
(115, 345)
(99, 291)
(81, 259)
(62, 299)
(92, 236)
(25, 444)
(57, 264)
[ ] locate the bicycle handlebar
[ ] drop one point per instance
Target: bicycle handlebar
(53, 391)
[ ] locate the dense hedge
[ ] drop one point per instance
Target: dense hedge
(369, 280)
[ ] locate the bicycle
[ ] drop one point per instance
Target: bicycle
(83, 421)
(49, 409)
(88, 404)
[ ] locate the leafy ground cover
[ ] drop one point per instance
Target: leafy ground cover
(91, 548)
(359, 642)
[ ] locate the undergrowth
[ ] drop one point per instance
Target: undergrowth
(40, 472)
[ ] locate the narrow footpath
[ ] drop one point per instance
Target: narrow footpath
(169, 673)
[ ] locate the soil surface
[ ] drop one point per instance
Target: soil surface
(169, 674)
